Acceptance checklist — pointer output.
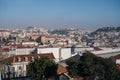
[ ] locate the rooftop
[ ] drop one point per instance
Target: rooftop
(29, 57)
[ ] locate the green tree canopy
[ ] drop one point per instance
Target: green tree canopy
(42, 68)
(90, 65)
(73, 67)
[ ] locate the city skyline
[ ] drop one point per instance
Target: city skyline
(84, 14)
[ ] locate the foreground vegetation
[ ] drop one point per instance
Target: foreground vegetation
(91, 66)
(88, 66)
(42, 69)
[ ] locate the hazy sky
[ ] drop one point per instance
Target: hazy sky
(85, 14)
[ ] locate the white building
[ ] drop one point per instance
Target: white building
(16, 65)
(29, 43)
(21, 51)
(107, 52)
(58, 52)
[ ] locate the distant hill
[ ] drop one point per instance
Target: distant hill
(61, 31)
(107, 29)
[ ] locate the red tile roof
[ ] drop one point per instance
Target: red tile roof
(61, 69)
(29, 57)
(20, 46)
(79, 78)
(117, 56)
(38, 35)
(118, 66)
(5, 49)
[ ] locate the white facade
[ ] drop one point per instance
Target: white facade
(30, 43)
(118, 61)
(14, 34)
(16, 66)
(16, 69)
(65, 53)
(21, 51)
(80, 49)
(19, 68)
(59, 53)
(106, 50)
(4, 33)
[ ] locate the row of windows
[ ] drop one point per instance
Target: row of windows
(26, 59)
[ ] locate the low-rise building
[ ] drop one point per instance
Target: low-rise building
(15, 66)
(60, 53)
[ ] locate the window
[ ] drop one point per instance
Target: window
(38, 56)
(19, 67)
(25, 58)
(32, 58)
(19, 59)
(13, 69)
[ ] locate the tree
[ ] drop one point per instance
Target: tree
(73, 67)
(62, 32)
(50, 70)
(42, 68)
(90, 65)
(86, 66)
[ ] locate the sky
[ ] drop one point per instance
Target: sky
(50, 14)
